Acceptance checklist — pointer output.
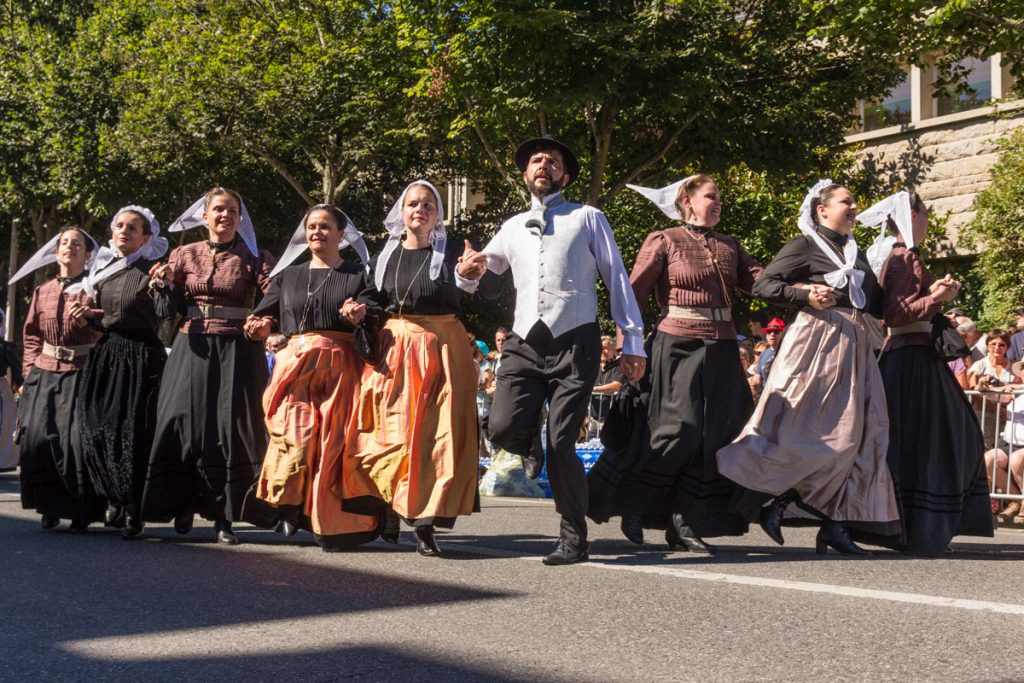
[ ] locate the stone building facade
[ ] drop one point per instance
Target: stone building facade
(942, 147)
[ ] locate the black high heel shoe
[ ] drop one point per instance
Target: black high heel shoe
(183, 523)
(390, 526)
(679, 537)
(49, 522)
(225, 534)
(632, 528)
(835, 535)
(114, 516)
(771, 517)
(425, 543)
(132, 528)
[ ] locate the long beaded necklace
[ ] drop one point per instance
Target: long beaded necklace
(398, 267)
(310, 291)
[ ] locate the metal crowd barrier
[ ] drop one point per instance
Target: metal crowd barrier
(994, 410)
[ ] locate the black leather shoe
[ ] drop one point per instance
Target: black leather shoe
(78, 526)
(834, 535)
(183, 523)
(114, 516)
(390, 526)
(287, 528)
(532, 465)
(227, 537)
(567, 553)
(132, 528)
(48, 522)
(632, 528)
(771, 518)
(425, 543)
(679, 537)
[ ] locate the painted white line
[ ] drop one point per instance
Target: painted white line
(762, 582)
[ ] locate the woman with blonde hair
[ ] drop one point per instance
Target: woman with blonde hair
(412, 450)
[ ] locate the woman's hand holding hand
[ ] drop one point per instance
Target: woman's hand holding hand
(257, 328)
(352, 311)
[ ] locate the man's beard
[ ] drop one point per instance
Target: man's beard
(540, 192)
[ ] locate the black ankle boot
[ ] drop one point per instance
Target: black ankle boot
(633, 528)
(114, 516)
(425, 543)
(225, 534)
(49, 522)
(132, 528)
(835, 535)
(390, 526)
(183, 523)
(679, 536)
(771, 517)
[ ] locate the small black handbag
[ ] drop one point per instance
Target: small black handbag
(367, 337)
(946, 341)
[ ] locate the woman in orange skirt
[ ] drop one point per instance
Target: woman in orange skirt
(316, 376)
(412, 448)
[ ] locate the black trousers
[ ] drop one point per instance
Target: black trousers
(561, 371)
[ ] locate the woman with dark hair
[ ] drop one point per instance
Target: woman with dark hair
(54, 481)
(994, 369)
(210, 438)
(117, 395)
(820, 431)
(695, 392)
(935, 442)
(412, 450)
(312, 394)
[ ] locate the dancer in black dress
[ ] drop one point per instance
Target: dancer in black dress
(935, 442)
(117, 396)
(210, 439)
(54, 482)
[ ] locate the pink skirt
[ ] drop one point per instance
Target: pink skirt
(821, 426)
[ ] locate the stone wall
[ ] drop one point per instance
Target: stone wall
(946, 159)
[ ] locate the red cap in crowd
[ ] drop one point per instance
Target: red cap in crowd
(775, 325)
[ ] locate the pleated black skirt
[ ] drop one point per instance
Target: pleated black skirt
(117, 413)
(210, 438)
(54, 481)
(935, 452)
(697, 400)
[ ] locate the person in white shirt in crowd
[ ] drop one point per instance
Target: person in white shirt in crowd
(556, 251)
(1006, 460)
(972, 337)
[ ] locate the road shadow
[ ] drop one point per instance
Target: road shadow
(60, 587)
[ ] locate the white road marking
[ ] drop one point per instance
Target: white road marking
(762, 582)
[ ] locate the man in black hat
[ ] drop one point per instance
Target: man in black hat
(556, 250)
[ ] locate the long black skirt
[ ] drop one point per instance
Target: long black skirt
(936, 452)
(117, 413)
(54, 481)
(210, 438)
(697, 400)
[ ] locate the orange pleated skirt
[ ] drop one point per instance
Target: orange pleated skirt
(413, 443)
(308, 404)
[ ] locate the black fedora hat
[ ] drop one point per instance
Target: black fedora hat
(526, 150)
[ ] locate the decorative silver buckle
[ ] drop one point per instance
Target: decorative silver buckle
(64, 354)
(206, 310)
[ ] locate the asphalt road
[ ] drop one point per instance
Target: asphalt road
(179, 608)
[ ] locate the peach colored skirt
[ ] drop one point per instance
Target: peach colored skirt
(414, 441)
(821, 426)
(308, 404)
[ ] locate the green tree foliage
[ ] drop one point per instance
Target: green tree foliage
(645, 86)
(998, 230)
